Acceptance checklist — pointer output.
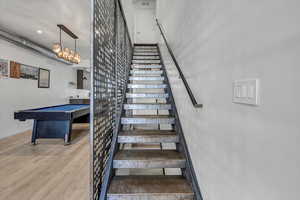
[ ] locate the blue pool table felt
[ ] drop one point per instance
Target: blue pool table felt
(63, 108)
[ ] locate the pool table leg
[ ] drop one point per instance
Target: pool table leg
(34, 133)
(67, 141)
(68, 134)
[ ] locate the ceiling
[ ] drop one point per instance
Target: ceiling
(26, 17)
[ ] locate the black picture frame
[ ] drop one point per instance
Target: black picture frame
(42, 83)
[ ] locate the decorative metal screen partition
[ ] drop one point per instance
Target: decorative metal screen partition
(111, 59)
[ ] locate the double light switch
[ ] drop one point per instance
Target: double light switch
(246, 91)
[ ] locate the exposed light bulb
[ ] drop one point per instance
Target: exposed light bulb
(73, 59)
(71, 56)
(60, 54)
(77, 58)
(66, 53)
(56, 48)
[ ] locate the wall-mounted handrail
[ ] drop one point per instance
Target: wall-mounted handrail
(192, 97)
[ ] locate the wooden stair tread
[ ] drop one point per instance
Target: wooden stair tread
(148, 116)
(147, 132)
(148, 136)
(150, 187)
(149, 159)
(148, 155)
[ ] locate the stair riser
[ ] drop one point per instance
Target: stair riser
(147, 121)
(150, 96)
(151, 197)
(148, 139)
(146, 107)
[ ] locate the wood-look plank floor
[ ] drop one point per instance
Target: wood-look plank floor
(47, 171)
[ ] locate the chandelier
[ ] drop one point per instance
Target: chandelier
(64, 52)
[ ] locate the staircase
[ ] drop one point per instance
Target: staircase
(148, 165)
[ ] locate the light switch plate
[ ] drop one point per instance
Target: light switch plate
(246, 91)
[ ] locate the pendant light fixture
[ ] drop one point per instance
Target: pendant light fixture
(66, 53)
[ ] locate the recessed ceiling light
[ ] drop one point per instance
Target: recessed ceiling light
(39, 32)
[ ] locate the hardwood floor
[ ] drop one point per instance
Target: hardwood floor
(47, 171)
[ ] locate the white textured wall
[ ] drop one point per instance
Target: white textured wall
(129, 9)
(239, 152)
(18, 94)
(134, 7)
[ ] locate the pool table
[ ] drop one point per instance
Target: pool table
(55, 121)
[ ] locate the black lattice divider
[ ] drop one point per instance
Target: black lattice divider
(111, 59)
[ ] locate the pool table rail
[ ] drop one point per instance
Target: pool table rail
(39, 114)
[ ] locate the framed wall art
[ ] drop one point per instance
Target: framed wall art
(44, 78)
(15, 70)
(4, 71)
(29, 72)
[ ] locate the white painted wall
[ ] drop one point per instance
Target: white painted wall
(18, 94)
(128, 7)
(140, 17)
(239, 152)
(144, 22)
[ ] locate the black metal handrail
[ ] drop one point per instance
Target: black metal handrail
(192, 97)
